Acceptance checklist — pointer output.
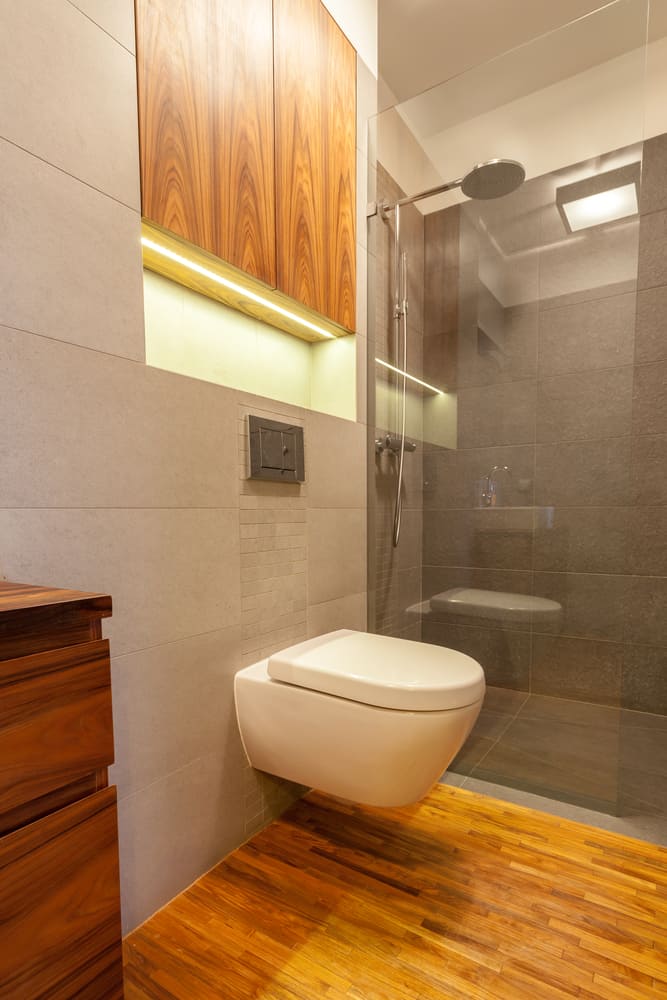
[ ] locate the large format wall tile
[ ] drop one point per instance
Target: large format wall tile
(71, 259)
(647, 541)
(586, 405)
(652, 256)
(645, 679)
(645, 610)
(515, 356)
(649, 412)
(496, 415)
(581, 669)
(654, 175)
(117, 18)
(175, 829)
(171, 573)
(598, 333)
(79, 110)
(650, 340)
(649, 470)
(498, 537)
(173, 444)
(583, 540)
(456, 478)
(344, 612)
(584, 473)
(592, 604)
(335, 452)
(172, 704)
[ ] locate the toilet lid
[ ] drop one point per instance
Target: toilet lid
(380, 670)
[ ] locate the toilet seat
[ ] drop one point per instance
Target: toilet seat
(371, 669)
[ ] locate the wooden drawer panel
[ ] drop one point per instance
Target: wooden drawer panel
(59, 905)
(55, 720)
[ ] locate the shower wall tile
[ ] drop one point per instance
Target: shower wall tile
(503, 654)
(603, 263)
(593, 605)
(496, 537)
(650, 339)
(598, 333)
(647, 541)
(648, 474)
(645, 610)
(581, 669)
(452, 477)
(652, 245)
(497, 415)
(514, 356)
(649, 411)
(654, 175)
(586, 473)
(587, 405)
(645, 679)
(441, 239)
(440, 359)
(441, 306)
(583, 540)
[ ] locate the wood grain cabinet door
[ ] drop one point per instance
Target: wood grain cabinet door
(60, 907)
(205, 81)
(315, 101)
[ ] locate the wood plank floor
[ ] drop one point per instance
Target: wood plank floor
(459, 896)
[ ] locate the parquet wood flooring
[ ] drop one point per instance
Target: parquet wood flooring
(459, 896)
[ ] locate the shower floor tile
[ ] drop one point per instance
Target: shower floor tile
(608, 764)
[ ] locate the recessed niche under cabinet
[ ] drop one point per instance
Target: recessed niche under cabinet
(191, 334)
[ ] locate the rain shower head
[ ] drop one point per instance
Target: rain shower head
(493, 179)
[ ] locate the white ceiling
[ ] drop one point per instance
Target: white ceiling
(423, 42)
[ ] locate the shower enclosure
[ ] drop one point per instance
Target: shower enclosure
(533, 530)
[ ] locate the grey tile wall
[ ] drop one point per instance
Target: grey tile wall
(573, 400)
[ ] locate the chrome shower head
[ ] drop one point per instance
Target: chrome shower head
(493, 179)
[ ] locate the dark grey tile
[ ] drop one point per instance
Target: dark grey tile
(504, 655)
(583, 540)
(584, 473)
(647, 541)
(581, 669)
(440, 367)
(496, 415)
(598, 333)
(651, 324)
(471, 753)
(503, 701)
(654, 175)
(498, 537)
(642, 792)
(455, 478)
(652, 267)
(645, 679)
(582, 268)
(441, 238)
(644, 748)
(574, 713)
(552, 756)
(586, 405)
(649, 399)
(408, 555)
(505, 351)
(593, 604)
(649, 470)
(645, 610)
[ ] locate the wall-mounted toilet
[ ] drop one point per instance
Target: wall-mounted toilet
(368, 718)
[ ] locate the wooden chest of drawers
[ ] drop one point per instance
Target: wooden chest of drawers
(60, 924)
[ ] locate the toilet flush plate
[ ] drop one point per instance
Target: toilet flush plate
(275, 450)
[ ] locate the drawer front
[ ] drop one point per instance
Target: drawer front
(55, 720)
(60, 905)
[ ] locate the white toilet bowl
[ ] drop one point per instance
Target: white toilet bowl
(365, 717)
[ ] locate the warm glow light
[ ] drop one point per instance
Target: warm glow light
(606, 206)
(234, 287)
(399, 371)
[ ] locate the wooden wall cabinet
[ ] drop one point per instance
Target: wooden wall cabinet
(59, 880)
(247, 123)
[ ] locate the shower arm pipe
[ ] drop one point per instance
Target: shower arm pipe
(411, 199)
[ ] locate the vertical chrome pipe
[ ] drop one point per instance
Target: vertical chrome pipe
(401, 354)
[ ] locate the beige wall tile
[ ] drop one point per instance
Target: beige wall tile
(172, 704)
(346, 612)
(336, 553)
(171, 573)
(69, 95)
(335, 461)
(174, 830)
(114, 16)
(71, 266)
(106, 432)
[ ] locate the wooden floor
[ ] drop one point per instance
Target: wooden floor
(459, 896)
